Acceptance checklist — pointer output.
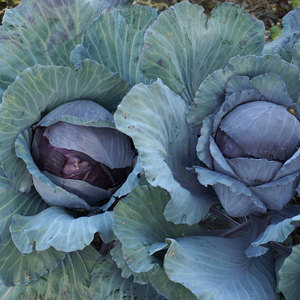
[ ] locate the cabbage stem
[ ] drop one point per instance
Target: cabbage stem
(222, 216)
(238, 230)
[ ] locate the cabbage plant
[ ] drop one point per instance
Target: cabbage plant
(253, 140)
(148, 155)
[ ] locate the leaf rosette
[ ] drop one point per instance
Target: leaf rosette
(250, 139)
(56, 123)
(66, 152)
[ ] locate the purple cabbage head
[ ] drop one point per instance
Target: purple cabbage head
(251, 146)
(259, 129)
(91, 162)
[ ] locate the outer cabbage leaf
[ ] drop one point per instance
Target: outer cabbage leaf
(296, 55)
(46, 36)
(217, 268)
(39, 90)
(157, 275)
(117, 256)
(70, 280)
(145, 228)
(283, 223)
(107, 283)
(115, 39)
(55, 227)
(16, 268)
(6, 292)
(284, 45)
(154, 117)
(182, 47)
(141, 278)
(170, 289)
(211, 93)
(289, 275)
(140, 226)
(234, 195)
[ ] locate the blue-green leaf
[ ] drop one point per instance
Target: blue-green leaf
(279, 230)
(38, 90)
(218, 269)
(107, 283)
(170, 289)
(79, 112)
(290, 35)
(236, 198)
(70, 280)
(182, 47)
(55, 227)
(289, 275)
(117, 257)
(156, 276)
(43, 32)
(16, 268)
(154, 117)
(19, 269)
(140, 225)
(115, 39)
(296, 55)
